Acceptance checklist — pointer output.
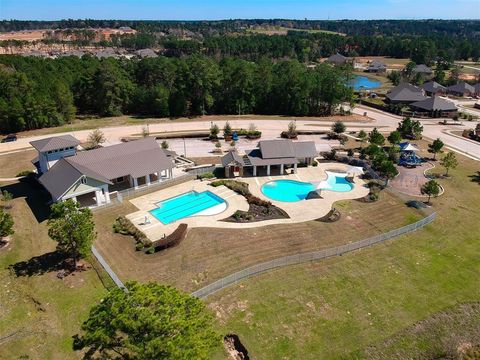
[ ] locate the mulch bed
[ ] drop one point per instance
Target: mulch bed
(257, 213)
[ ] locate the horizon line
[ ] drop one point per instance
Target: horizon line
(245, 19)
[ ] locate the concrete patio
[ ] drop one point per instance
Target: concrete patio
(301, 211)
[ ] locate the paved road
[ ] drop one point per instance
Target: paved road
(432, 129)
(270, 130)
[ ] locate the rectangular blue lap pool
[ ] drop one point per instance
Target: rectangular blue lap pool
(188, 204)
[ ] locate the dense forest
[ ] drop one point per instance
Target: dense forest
(460, 28)
(36, 93)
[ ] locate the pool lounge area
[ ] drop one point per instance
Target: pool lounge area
(184, 203)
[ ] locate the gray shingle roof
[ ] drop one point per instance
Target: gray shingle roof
(377, 65)
(146, 53)
(54, 143)
(276, 149)
(433, 87)
(61, 177)
(255, 157)
(337, 59)
(435, 103)
(405, 92)
(305, 149)
(135, 158)
(422, 69)
(462, 88)
(231, 157)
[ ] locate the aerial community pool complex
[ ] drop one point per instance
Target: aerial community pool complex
(188, 204)
(292, 191)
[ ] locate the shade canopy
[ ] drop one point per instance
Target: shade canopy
(406, 146)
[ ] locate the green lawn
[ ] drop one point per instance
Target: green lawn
(344, 307)
(40, 313)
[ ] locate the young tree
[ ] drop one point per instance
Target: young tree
(449, 161)
(72, 228)
(165, 145)
(6, 198)
(95, 138)
(214, 130)
(292, 129)
(6, 224)
(395, 77)
(145, 131)
(387, 170)
(227, 130)
(409, 128)
(148, 321)
(394, 138)
(362, 135)
(338, 127)
(430, 188)
(435, 147)
(376, 138)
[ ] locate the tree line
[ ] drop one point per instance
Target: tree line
(208, 27)
(37, 93)
(301, 45)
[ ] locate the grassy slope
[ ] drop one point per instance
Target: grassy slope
(337, 308)
(41, 312)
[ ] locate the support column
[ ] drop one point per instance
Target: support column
(147, 179)
(135, 183)
(281, 169)
(106, 193)
(295, 168)
(268, 170)
(171, 173)
(254, 170)
(98, 195)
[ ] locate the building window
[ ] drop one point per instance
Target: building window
(84, 180)
(120, 179)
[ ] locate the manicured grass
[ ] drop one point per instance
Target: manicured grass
(339, 307)
(12, 164)
(39, 314)
(208, 254)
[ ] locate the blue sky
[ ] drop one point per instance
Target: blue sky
(227, 9)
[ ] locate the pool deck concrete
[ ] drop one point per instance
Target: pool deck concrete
(301, 211)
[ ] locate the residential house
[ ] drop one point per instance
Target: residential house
(337, 59)
(270, 154)
(461, 89)
(435, 106)
(405, 93)
(146, 53)
(423, 69)
(90, 177)
(433, 88)
(376, 67)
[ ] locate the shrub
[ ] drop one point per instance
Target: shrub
(350, 152)
(150, 250)
(330, 155)
(208, 175)
(237, 186)
(139, 246)
(125, 227)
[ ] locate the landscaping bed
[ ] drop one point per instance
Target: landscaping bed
(259, 210)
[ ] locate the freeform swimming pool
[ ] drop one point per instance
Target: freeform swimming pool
(292, 191)
(188, 204)
(363, 82)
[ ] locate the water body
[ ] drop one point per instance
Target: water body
(360, 82)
